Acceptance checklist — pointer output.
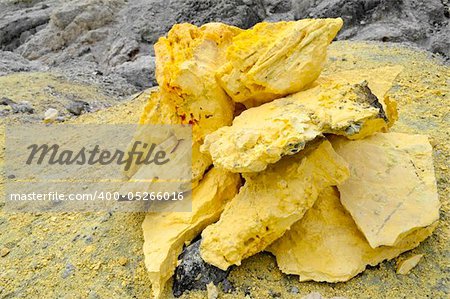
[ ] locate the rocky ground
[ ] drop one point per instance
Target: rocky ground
(110, 42)
(94, 57)
(99, 255)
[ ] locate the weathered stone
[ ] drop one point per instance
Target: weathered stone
(408, 264)
(380, 81)
(12, 62)
(68, 23)
(78, 107)
(21, 107)
(212, 291)
(186, 64)
(269, 203)
(424, 23)
(262, 135)
(50, 115)
(17, 25)
(326, 245)
(165, 233)
(4, 252)
(272, 60)
(160, 110)
(392, 188)
(193, 273)
(139, 72)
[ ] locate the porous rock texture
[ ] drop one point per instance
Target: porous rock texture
(257, 219)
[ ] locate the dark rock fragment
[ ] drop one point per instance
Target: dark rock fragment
(193, 273)
(78, 107)
(21, 107)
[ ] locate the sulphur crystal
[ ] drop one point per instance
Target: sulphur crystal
(272, 60)
(186, 64)
(160, 111)
(262, 135)
(269, 203)
(166, 233)
(392, 189)
(380, 81)
(326, 244)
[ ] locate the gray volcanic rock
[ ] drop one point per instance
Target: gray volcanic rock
(19, 24)
(421, 23)
(11, 62)
(73, 28)
(140, 72)
(110, 36)
(116, 31)
(116, 37)
(193, 273)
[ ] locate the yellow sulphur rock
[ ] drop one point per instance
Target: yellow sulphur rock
(262, 135)
(272, 60)
(165, 233)
(392, 189)
(269, 203)
(326, 244)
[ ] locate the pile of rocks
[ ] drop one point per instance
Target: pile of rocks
(304, 165)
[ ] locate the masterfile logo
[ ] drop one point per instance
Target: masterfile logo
(97, 167)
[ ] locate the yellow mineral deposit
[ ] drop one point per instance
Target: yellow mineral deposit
(262, 135)
(186, 64)
(272, 60)
(289, 204)
(408, 264)
(159, 110)
(392, 189)
(269, 203)
(326, 244)
(380, 81)
(166, 233)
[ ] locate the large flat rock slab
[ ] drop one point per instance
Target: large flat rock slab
(391, 190)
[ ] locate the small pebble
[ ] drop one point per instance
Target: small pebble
(408, 264)
(227, 287)
(123, 261)
(22, 107)
(294, 290)
(78, 107)
(50, 115)
(274, 294)
(6, 102)
(212, 291)
(68, 270)
(4, 252)
(88, 239)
